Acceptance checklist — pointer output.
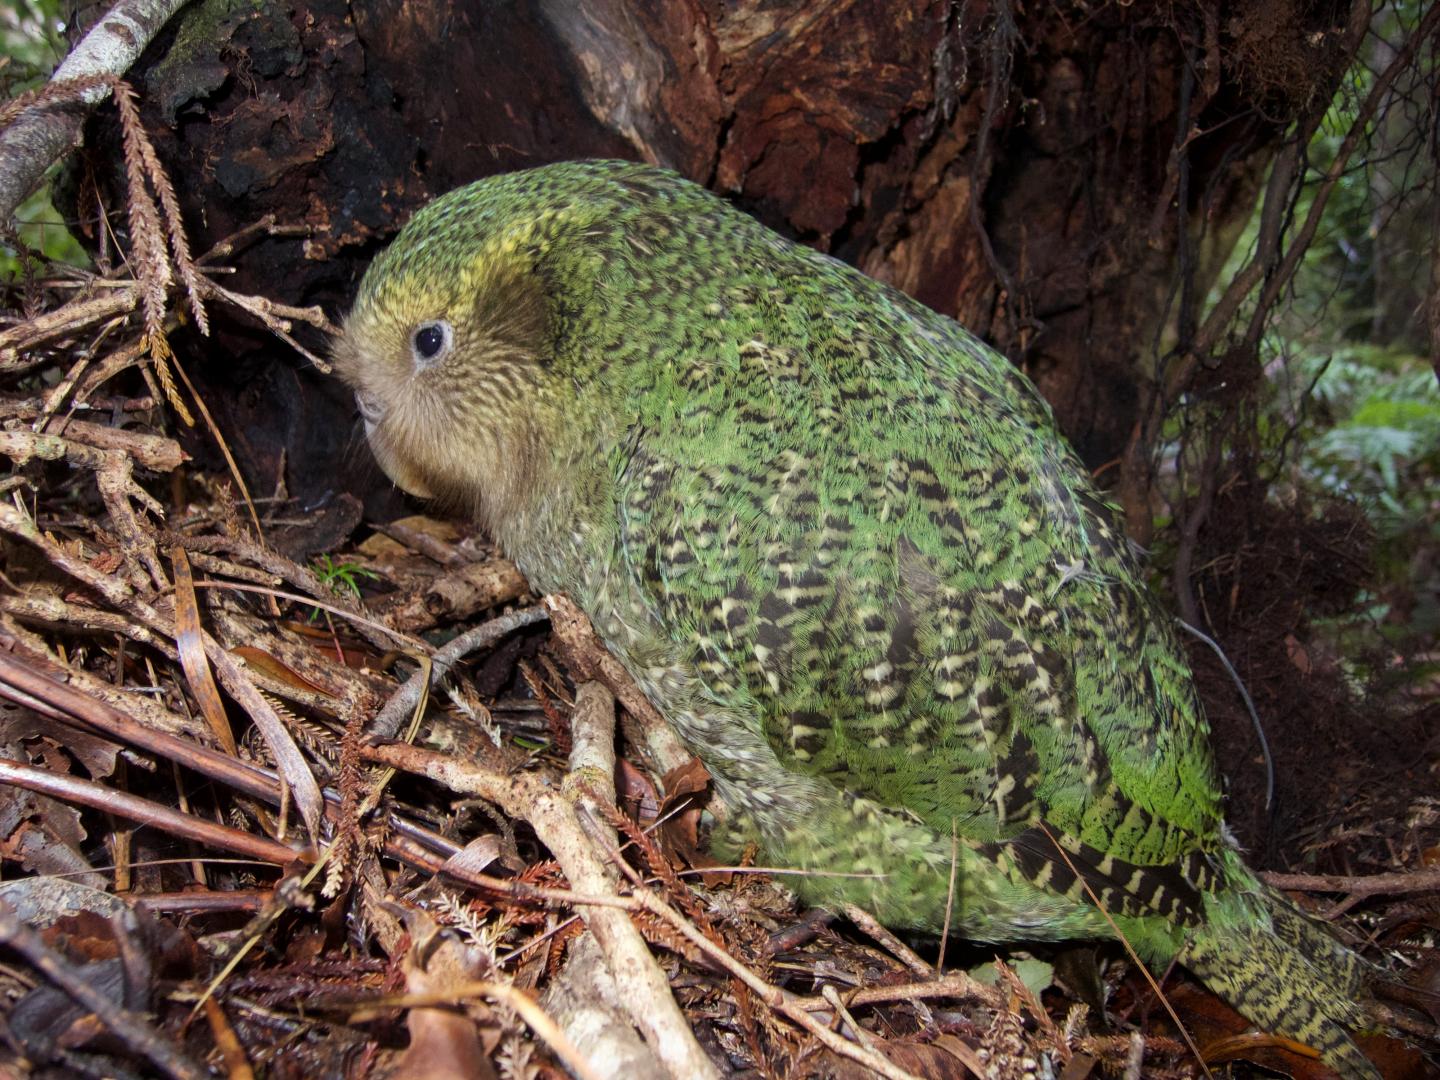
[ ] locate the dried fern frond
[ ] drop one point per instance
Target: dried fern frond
(152, 171)
(147, 238)
(158, 346)
(61, 92)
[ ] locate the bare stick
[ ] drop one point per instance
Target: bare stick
(63, 321)
(41, 135)
(645, 991)
(388, 720)
(588, 658)
(150, 451)
(459, 593)
(1392, 884)
(897, 948)
(74, 790)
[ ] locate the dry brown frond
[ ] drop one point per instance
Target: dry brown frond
(151, 265)
(154, 172)
(160, 357)
(64, 91)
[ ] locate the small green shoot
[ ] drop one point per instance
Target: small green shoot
(342, 576)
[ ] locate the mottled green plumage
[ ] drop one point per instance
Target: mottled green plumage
(842, 546)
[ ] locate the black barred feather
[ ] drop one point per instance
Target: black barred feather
(843, 548)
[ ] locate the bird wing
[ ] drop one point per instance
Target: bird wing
(865, 530)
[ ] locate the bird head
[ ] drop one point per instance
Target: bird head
(451, 345)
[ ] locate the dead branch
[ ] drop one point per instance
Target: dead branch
(646, 992)
(433, 548)
(24, 445)
(559, 827)
(588, 658)
(896, 948)
(52, 611)
(122, 359)
(64, 321)
(149, 451)
(460, 593)
(277, 318)
(389, 719)
(100, 797)
(955, 985)
(1395, 884)
(591, 781)
(586, 1003)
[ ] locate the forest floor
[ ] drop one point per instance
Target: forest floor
(242, 848)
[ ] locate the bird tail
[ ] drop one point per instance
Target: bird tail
(1282, 970)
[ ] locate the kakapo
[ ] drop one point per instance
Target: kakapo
(842, 546)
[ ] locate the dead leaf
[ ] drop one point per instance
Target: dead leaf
(444, 1042)
(261, 661)
(636, 793)
(190, 644)
(18, 724)
(688, 779)
(1298, 654)
(936, 1061)
(1395, 1058)
(1223, 1035)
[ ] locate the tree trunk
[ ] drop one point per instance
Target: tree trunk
(1064, 181)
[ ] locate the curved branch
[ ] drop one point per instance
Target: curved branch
(45, 132)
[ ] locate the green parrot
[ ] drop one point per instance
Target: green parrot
(844, 549)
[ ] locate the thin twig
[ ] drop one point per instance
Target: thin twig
(388, 720)
(897, 948)
(1249, 707)
(136, 1032)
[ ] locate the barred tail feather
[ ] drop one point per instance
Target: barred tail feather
(1282, 971)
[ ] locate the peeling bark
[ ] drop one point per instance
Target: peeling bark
(1040, 181)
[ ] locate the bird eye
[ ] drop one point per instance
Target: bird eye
(431, 342)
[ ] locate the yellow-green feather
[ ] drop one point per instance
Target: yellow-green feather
(842, 546)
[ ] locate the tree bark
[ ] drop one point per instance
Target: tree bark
(1064, 181)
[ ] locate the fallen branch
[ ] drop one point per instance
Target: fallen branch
(588, 658)
(458, 594)
(65, 321)
(527, 797)
(74, 790)
(1393, 884)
